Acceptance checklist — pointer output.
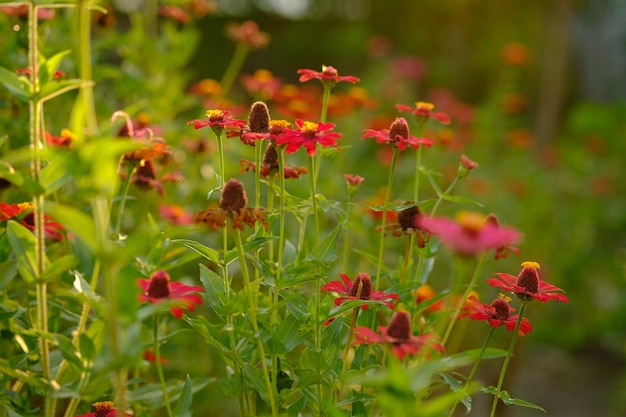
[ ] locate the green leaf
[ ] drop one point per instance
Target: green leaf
(76, 222)
(183, 407)
(209, 253)
(68, 351)
(20, 87)
(49, 66)
(59, 266)
(52, 178)
(247, 247)
(506, 398)
(326, 251)
(463, 200)
(54, 88)
(24, 245)
(214, 289)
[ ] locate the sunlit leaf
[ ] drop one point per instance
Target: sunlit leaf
(24, 245)
(20, 87)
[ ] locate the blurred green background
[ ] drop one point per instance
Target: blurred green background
(537, 93)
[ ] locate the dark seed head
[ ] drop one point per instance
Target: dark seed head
(233, 197)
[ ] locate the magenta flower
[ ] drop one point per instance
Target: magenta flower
(328, 76)
(160, 288)
(103, 409)
(308, 135)
(495, 314)
(470, 235)
(527, 285)
(424, 110)
(397, 135)
(398, 335)
(360, 289)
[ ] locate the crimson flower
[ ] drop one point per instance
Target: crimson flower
(218, 120)
(160, 288)
(309, 134)
(328, 76)
(103, 409)
(398, 335)
(495, 314)
(470, 235)
(248, 34)
(175, 214)
(360, 289)
(397, 135)
(9, 211)
(66, 140)
(528, 286)
(51, 228)
(424, 110)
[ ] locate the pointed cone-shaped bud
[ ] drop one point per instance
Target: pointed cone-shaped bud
(233, 197)
(259, 118)
(400, 326)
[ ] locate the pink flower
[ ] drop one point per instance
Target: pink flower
(328, 76)
(424, 110)
(470, 235)
(496, 314)
(398, 335)
(160, 288)
(397, 135)
(103, 409)
(527, 285)
(308, 135)
(360, 289)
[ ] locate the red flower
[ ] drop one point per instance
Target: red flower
(470, 235)
(527, 285)
(496, 314)
(159, 288)
(66, 140)
(248, 34)
(175, 214)
(51, 228)
(354, 180)
(218, 120)
(9, 211)
(424, 110)
(360, 289)
(269, 165)
(261, 84)
(103, 409)
(329, 76)
(397, 135)
(398, 335)
(309, 134)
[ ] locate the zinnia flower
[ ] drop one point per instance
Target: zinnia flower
(397, 135)
(309, 134)
(360, 289)
(398, 335)
(269, 165)
(51, 228)
(248, 34)
(328, 76)
(233, 202)
(103, 409)
(160, 288)
(66, 140)
(528, 286)
(495, 314)
(218, 120)
(424, 110)
(470, 235)
(9, 211)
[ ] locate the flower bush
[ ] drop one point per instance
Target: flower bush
(237, 289)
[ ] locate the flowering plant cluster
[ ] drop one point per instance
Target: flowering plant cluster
(117, 276)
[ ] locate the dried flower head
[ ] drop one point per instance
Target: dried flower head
(495, 314)
(397, 135)
(528, 286)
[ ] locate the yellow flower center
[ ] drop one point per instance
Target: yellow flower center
(215, 114)
(531, 265)
(423, 105)
(284, 124)
(471, 220)
(66, 133)
(263, 75)
(309, 127)
(25, 206)
(504, 297)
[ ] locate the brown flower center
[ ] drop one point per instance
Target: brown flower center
(529, 279)
(233, 197)
(159, 286)
(259, 119)
(502, 309)
(399, 128)
(101, 409)
(400, 327)
(362, 286)
(408, 216)
(270, 158)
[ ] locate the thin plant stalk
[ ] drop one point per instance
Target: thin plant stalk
(233, 69)
(444, 194)
(384, 221)
(346, 352)
(346, 236)
(505, 365)
(474, 368)
(252, 307)
(466, 293)
(156, 346)
(85, 97)
(125, 189)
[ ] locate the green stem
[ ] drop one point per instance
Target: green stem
(159, 366)
(346, 236)
(233, 69)
(461, 303)
(508, 358)
(85, 67)
(443, 195)
(125, 189)
(407, 256)
(474, 368)
(384, 222)
(325, 100)
(252, 308)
